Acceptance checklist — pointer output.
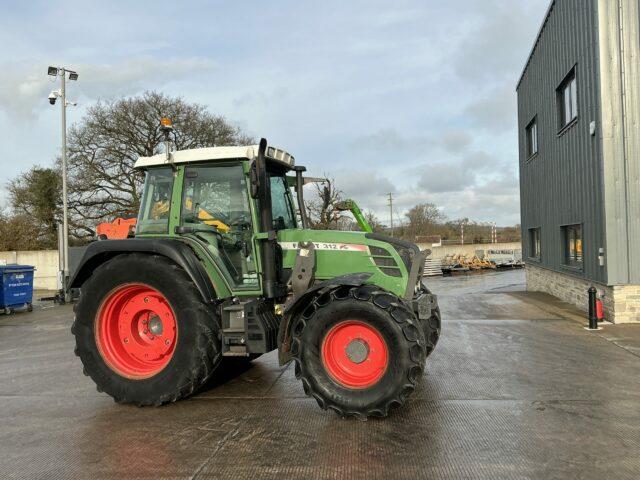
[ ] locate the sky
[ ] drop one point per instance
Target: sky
(413, 98)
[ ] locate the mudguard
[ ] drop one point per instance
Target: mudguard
(102, 251)
(297, 304)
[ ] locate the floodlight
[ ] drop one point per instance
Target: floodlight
(53, 71)
(73, 76)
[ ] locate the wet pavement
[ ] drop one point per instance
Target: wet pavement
(515, 389)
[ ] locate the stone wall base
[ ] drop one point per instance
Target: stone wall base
(621, 302)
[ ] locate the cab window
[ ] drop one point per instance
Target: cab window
(281, 204)
(156, 202)
(215, 201)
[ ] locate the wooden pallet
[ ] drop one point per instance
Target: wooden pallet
(432, 267)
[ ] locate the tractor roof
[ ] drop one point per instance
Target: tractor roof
(215, 153)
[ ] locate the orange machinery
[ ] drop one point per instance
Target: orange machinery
(118, 229)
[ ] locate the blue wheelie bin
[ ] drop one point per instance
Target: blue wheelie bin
(16, 287)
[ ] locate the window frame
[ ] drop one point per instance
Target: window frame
(569, 83)
(575, 260)
(531, 141)
(535, 253)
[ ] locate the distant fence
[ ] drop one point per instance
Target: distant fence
(475, 241)
(467, 249)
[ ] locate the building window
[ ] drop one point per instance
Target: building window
(532, 137)
(567, 95)
(534, 243)
(572, 235)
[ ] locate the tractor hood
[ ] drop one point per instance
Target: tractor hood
(394, 264)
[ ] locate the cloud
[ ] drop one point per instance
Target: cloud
(368, 189)
(443, 177)
(389, 139)
(494, 110)
(26, 85)
(457, 175)
(456, 142)
(494, 46)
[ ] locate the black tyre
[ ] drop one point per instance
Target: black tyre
(142, 331)
(431, 330)
(358, 351)
(431, 327)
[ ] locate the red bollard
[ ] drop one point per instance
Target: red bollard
(599, 310)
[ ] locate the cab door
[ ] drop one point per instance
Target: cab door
(215, 203)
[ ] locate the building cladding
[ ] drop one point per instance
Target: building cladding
(579, 150)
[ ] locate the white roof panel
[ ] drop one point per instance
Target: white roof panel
(213, 153)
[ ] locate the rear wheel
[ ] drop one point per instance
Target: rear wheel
(358, 351)
(142, 331)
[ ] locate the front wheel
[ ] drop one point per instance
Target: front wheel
(142, 331)
(358, 351)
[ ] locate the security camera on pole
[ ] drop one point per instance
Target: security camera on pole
(53, 96)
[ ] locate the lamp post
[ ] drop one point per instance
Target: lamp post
(62, 94)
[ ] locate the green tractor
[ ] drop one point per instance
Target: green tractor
(223, 264)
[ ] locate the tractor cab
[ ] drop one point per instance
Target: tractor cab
(209, 197)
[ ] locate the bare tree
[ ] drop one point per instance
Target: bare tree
(373, 221)
(104, 146)
(423, 219)
(322, 212)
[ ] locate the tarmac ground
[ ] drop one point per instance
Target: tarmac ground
(516, 388)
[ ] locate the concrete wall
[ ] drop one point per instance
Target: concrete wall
(45, 261)
(621, 302)
(441, 252)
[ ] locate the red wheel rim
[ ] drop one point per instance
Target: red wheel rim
(136, 331)
(354, 354)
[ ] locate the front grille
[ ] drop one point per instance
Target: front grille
(379, 252)
(384, 261)
(394, 272)
(407, 252)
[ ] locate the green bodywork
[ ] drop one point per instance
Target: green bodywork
(337, 252)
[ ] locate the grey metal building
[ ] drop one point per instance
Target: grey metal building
(579, 150)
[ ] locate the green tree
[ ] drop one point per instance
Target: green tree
(36, 198)
(19, 232)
